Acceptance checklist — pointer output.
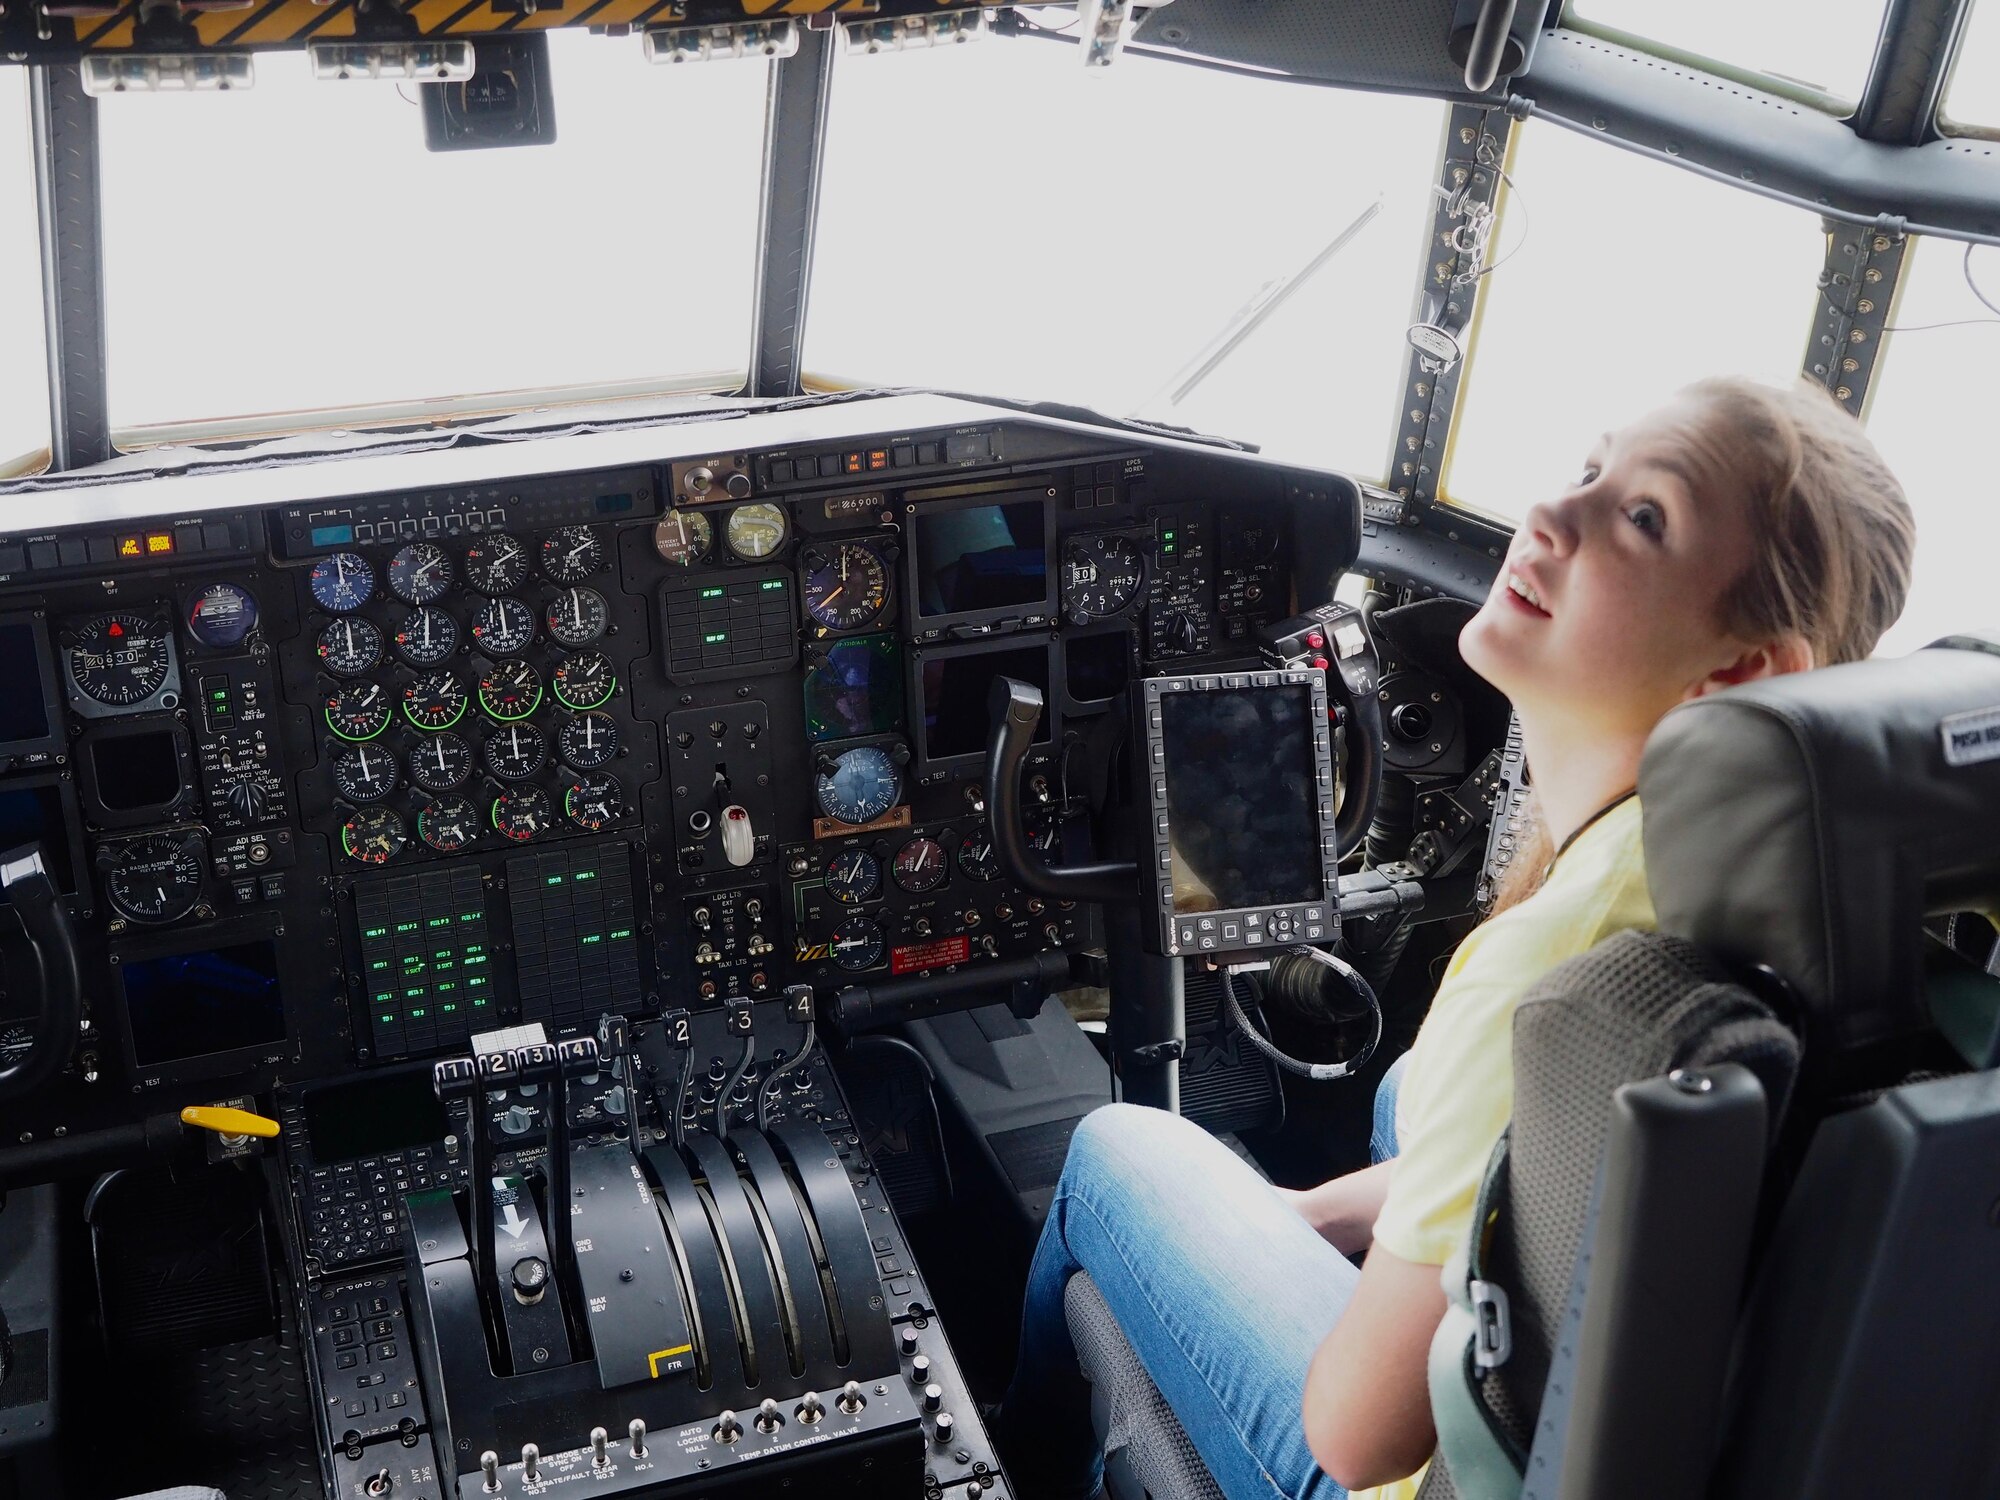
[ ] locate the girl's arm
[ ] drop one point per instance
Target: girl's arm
(1344, 1209)
(1367, 1402)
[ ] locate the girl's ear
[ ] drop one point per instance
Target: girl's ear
(1789, 653)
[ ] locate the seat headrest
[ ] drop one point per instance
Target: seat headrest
(1810, 822)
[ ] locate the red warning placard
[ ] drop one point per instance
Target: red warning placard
(921, 956)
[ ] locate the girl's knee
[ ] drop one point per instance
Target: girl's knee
(1123, 1138)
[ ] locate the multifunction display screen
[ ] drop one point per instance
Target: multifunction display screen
(975, 558)
(186, 1005)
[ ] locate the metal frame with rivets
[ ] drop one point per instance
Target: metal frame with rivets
(64, 120)
(1857, 288)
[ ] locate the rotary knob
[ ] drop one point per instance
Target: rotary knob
(1182, 633)
(738, 485)
(247, 798)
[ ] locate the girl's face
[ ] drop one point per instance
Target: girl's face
(1605, 613)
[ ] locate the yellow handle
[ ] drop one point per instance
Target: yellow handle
(228, 1121)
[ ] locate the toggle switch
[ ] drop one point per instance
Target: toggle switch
(812, 1409)
(920, 1371)
(637, 1432)
(600, 1447)
(850, 1398)
(727, 1428)
(769, 1418)
(933, 1397)
(489, 1469)
(531, 1463)
(908, 1341)
(941, 1429)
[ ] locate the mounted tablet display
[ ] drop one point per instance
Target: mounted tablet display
(980, 563)
(1240, 794)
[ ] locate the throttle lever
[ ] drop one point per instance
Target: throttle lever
(1015, 708)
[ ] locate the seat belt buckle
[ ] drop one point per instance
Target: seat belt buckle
(1493, 1336)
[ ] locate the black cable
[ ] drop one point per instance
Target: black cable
(1319, 1072)
(675, 1125)
(776, 1081)
(736, 1076)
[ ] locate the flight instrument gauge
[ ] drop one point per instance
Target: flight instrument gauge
(510, 690)
(365, 773)
(449, 824)
(341, 582)
(350, 647)
(420, 573)
(358, 710)
(588, 741)
(1101, 575)
(683, 537)
(859, 786)
(594, 803)
(976, 860)
(120, 659)
(156, 879)
(436, 700)
(585, 680)
(846, 586)
(857, 943)
(496, 563)
(578, 616)
(442, 763)
(921, 865)
(373, 835)
(852, 876)
(503, 627)
(522, 812)
(754, 532)
(222, 616)
(572, 554)
(427, 636)
(516, 752)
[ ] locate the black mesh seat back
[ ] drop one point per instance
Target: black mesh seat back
(1147, 1453)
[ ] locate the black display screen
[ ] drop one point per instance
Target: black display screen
(856, 690)
(1242, 798)
(34, 815)
(134, 771)
(184, 1005)
(24, 705)
(374, 1115)
(956, 716)
(1096, 666)
(981, 557)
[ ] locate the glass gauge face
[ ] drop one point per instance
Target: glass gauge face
(921, 865)
(578, 616)
(510, 690)
(683, 537)
(860, 786)
(523, 812)
(420, 573)
(852, 876)
(120, 659)
(222, 616)
(436, 700)
(358, 710)
(588, 741)
(503, 627)
(1100, 576)
(572, 554)
(976, 860)
(350, 647)
(373, 835)
(1044, 830)
(365, 773)
(857, 943)
(496, 563)
(594, 803)
(427, 636)
(449, 824)
(441, 763)
(756, 531)
(846, 586)
(156, 879)
(585, 680)
(516, 752)
(341, 582)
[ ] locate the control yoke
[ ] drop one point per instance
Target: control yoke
(59, 1021)
(1015, 708)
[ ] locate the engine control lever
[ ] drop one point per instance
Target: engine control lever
(465, 1078)
(1015, 708)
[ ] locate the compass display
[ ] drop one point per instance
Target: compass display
(859, 786)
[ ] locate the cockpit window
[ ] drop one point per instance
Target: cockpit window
(996, 219)
(1825, 47)
(24, 389)
(295, 247)
(1973, 98)
(1661, 277)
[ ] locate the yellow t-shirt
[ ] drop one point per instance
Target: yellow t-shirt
(1458, 1089)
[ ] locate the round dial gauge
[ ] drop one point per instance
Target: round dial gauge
(341, 582)
(516, 752)
(156, 879)
(976, 860)
(222, 616)
(373, 835)
(510, 690)
(503, 627)
(1044, 830)
(365, 773)
(588, 741)
(120, 659)
(427, 636)
(350, 647)
(756, 531)
(852, 876)
(857, 943)
(585, 680)
(1100, 576)
(860, 786)
(846, 586)
(420, 573)
(440, 763)
(577, 616)
(496, 563)
(522, 812)
(435, 700)
(683, 537)
(358, 710)
(572, 554)
(594, 803)
(449, 824)
(921, 865)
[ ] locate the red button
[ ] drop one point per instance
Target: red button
(1315, 640)
(1320, 662)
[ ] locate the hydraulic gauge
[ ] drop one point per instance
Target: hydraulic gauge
(449, 824)
(976, 860)
(341, 582)
(365, 773)
(852, 876)
(441, 763)
(156, 879)
(420, 573)
(522, 812)
(1101, 575)
(510, 690)
(427, 636)
(572, 554)
(503, 627)
(516, 752)
(754, 532)
(120, 659)
(585, 680)
(594, 803)
(435, 700)
(350, 647)
(578, 616)
(857, 943)
(846, 586)
(496, 563)
(859, 786)
(921, 865)
(358, 710)
(588, 741)
(373, 835)
(683, 537)
(222, 616)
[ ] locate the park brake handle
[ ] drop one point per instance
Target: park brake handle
(1016, 707)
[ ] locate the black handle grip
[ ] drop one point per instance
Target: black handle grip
(59, 1018)
(1489, 44)
(868, 1007)
(1363, 781)
(1016, 707)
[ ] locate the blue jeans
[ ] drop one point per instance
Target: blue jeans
(1223, 1290)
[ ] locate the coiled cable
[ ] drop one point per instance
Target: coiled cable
(1319, 1072)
